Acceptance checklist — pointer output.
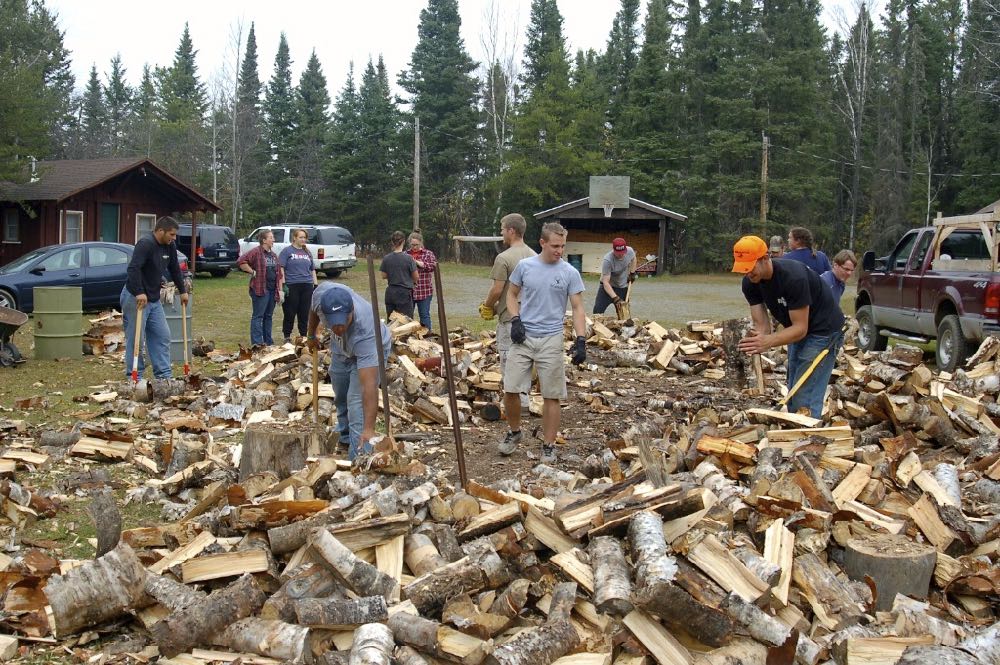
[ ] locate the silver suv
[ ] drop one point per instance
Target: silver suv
(332, 247)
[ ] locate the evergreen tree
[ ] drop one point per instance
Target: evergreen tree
(93, 119)
(344, 167)
(181, 143)
(249, 148)
(279, 123)
(312, 118)
(620, 58)
(545, 47)
(443, 95)
(142, 122)
(118, 103)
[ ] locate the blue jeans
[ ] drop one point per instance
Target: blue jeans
(347, 398)
(260, 319)
(155, 336)
(424, 310)
(800, 355)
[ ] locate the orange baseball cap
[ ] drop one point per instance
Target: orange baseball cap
(746, 251)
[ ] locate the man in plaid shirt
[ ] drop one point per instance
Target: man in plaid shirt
(423, 292)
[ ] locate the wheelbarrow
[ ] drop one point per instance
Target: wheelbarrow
(10, 321)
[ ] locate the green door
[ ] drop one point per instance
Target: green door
(109, 222)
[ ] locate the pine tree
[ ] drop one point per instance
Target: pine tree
(620, 58)
(181, 143)
(545, 47)
(118, 103)
(309, 139)
(344, 167)
(279, 124)
(249, 149)
(443, 95)
(94, 135)
(142, 121)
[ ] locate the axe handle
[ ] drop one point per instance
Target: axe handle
(136, 350)
(315, 386)
(805, 376)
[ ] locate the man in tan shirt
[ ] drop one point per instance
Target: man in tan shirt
(512, 227)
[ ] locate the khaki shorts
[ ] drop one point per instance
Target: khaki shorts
(504, 343)
(548, 358)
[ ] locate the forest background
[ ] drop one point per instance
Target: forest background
(872, 129)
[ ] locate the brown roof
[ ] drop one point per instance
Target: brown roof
(60, 179)
(585, 202)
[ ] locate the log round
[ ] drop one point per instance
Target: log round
(895, 564)
(373, 645)
(537, 646)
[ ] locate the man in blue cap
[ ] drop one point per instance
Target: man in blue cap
(354, 363)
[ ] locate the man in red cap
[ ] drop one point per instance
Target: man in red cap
(799, 300)
(617, 270)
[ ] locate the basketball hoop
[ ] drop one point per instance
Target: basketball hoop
(608, 207)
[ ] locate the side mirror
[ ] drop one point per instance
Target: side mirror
(37, 270)
(868, 261)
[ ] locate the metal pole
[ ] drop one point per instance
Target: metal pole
(378, 349)
(763, 186)
(416, 173)
(450, 377)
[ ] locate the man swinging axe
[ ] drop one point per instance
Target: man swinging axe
(618, 268)
(799, 300)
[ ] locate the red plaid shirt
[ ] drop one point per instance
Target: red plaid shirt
(255, 259)
(425, 275)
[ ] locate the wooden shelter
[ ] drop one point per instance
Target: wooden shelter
(74, 200)
(609, 212)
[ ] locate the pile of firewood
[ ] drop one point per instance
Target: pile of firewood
(700, 535)
(105, 335)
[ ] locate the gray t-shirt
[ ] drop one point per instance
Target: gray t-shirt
(503, 266)
(358, 343)
(617, 268)
(545, 288)
(399, 267)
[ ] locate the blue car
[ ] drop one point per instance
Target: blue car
(98, 267)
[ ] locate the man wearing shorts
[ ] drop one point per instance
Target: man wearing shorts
(536, 300)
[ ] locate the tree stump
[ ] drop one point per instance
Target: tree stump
(895, 564)
(282, 448)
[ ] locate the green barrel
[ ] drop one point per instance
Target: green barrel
(173, 312)
(58, 322)
(575, 260)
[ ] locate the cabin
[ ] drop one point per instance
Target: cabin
(73, 200)
(608, 213)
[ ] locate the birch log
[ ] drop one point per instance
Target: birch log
(612, 587)
(563, 599)
(437, 639)
(170, 593)
(373, 645)
(310, 580)
(96, 591)
(467, 575)
(761, 625)
(408, 656)
(336, 614)
(196, 624)
(107, 520)
(537, 646)
(267, 637)
(363, 578)
(421, 555)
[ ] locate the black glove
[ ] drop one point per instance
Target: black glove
(517, 334)
(615, 300)
(579, 351)
(632, 276)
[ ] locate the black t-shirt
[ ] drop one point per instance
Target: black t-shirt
(399, 266)
(794, 286)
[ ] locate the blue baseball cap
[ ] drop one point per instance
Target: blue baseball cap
(337, 305)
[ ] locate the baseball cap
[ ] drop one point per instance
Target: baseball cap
(775, 244)
(746, 251)
(337, 305)
(618, 245)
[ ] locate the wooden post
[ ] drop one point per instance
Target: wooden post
(416, 173)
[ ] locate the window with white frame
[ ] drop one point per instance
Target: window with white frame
(72, 230)
(144, 224)
(11, 225)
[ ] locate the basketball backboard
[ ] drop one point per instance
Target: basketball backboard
(609, 192)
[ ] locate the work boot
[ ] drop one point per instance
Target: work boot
(288, 340)
(509, 443)
(548, 453)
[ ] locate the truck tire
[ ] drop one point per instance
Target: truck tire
(952, 347)
(869, 338)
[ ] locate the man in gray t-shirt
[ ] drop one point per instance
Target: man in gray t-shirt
(617, 270)
(536, 300)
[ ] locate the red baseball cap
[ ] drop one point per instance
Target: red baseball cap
(619, 246)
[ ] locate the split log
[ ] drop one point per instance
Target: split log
(946, 476)
(361, 577)
(922, 655)
(170, 593)
(537, 646)
(761, 626)
(895, 564)
(827, 595)
(336, 614)
(8, 648)
(513, 599)
(107, 520)
(767, 571)
(373, 645)
(267, 637)
(563, 600)
(467, 575)
(421, 555)
(310, 580)
(280, 448)
(196, 624)
(437, 639)
(465, 615)
(612, 587)
(291, 537)
(96, 591)
(409, 656)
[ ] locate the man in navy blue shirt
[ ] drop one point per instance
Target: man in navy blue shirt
(844, 263)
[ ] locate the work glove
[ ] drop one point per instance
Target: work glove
(486, 312)
(615, 300)
(517, 334)
(312, 344)
(579, 351)
(632, 276)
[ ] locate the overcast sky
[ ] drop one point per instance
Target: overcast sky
(340, 31)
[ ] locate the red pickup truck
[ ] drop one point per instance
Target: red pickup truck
(940, 282)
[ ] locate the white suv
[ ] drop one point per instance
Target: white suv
(332, 247)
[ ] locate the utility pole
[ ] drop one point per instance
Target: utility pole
(416, 173)
(763, 186)
(215, 166)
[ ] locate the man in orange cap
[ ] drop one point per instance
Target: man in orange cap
(799, 300)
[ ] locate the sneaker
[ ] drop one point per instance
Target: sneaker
(509, 443)
(548, 453)
(288, 340)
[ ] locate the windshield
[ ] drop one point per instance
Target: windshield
(17, 265)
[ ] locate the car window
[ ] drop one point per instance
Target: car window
(253, 236)
(332, 236)
(98, 257)
(902, 252)
(279, 235)
(969, 245)
(19, 264)
(69, 259)
(921, 253)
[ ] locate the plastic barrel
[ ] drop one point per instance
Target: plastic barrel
(173, 313)
(575, 260)
(58, 322)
